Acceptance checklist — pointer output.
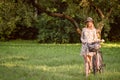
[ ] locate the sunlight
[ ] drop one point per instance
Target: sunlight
(13, 58)
(62, 68)
(111, 45)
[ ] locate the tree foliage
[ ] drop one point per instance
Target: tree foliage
(57, 20)
(14, 15)
(56, 30)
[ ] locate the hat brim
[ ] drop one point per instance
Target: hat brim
(89, 21)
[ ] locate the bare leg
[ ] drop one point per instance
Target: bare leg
(90, 61)
(86, 65)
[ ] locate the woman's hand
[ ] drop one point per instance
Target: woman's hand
(102, 40)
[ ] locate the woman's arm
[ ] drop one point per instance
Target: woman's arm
(83, 40)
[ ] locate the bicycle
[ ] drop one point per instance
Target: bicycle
(95, 47)
(98, 56)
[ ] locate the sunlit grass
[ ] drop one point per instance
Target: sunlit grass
(111, 45)
(29, 60)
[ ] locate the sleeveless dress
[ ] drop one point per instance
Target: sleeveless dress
(87, 36)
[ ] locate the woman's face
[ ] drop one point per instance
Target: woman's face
(90, 24)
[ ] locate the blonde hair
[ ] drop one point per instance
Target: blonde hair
(86, 26)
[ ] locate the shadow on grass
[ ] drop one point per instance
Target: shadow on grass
(37, 73)
(55, 66)
(13, 71)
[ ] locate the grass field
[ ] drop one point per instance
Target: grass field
(28, 60)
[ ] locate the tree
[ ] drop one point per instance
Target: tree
(102, 13)
(26, 13)
(13, 14)
(105, 13)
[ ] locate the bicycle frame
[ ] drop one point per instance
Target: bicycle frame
(97, 57)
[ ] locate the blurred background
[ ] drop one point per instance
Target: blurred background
(46, 21)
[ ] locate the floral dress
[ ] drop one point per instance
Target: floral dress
(87, 36)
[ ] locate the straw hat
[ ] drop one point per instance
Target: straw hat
(89, 19)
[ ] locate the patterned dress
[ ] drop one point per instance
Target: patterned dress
(87, 36)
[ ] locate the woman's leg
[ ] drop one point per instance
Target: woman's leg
(86, 65)
(89, 63)
(90, 56)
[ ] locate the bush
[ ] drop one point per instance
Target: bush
(114, 34)
(56, 30)
(23, 32)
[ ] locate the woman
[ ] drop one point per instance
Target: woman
(88, 36)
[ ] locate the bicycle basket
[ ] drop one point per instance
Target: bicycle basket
(93, 47)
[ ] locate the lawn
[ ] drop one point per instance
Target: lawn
(28, 60)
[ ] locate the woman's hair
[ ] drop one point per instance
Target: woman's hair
(87, 25)
(89, 19)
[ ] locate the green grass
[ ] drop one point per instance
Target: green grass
(28, 60)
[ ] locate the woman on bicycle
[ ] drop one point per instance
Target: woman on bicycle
(88, 35)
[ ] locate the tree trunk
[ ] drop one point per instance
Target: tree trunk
(36, 11)
(103, 17)
(43, 10)
(100, 24)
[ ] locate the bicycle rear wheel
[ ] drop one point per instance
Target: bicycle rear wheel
(94, 64)
(101, 65)
(97, 62)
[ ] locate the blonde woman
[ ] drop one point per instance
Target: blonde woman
(88, 36)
